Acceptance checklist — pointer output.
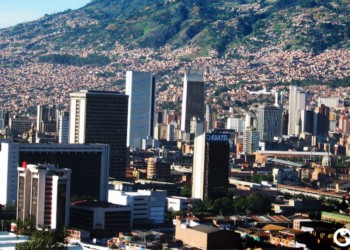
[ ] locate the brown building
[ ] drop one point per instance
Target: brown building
(156, 168)
(206, 237)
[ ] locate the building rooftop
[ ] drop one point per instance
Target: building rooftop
(206, 229)
(288, 163)
(103, 204)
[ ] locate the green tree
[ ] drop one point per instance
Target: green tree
(48, 239)
(186, 191)
(223, 205)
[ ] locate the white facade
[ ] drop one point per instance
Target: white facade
(146, 205)
(198, 166)
(251, 139)
(141, 90)
(235, 123)
(297, 103)
(77, 117)
(178, 203)
(330, 102)
(9, 161)
(44, 190)
(63, 130)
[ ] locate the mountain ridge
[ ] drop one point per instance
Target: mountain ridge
(220, 25)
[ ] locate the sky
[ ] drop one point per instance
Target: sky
(13, 12)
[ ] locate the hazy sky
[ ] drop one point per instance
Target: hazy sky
(17, 11)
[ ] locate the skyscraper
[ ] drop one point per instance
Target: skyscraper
(251, 139)
(210, 165)
(193, 98)
(297, 103)
(322, 121)
(101, 117)
(140, 87)
(269, 122)
(63, 127)
(46, 118)
(44, 192)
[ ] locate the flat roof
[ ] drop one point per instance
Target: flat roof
(290, 163)
(206, 229)
(304, 153)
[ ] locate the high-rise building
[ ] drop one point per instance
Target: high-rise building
(251, 139)
(140, 87)
(63, 128)
(89, 164)
(285, 117)
(46, 118)
(193, 98)
(297, 103)
(269, 122)
(44, 193)
(308, 121)
(210, 165)
(4, 119)
(101, 117)
(235, 123)
(322, 120)
(19, 125)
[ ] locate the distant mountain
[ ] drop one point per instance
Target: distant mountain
(220, 25)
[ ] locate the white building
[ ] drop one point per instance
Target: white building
(178, 203)
(297, 103)
(140, 87)
(251, 139)
(44, 192)
(332, 102)
(85, 160)
(63, 130)
(235, 123)
(146, 205)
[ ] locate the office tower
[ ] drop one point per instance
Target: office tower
(157, 168)
(332, 102)
(63, 128)
(235, 123)
(285, 117)
(322, 120)
(208, 123)
(20, 125)
(101, 117)
(278, 99)
(308, 120)
(43, 192)
(269, 122)
(3, 119)
(251, 139)
(344, 123)
(89, 164)
(193, 98)
(297, 103)
(46, 118)
(210, 165)
(332, 121)
(140, 87)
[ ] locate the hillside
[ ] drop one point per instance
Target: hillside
(312, 25)
(253, 42)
